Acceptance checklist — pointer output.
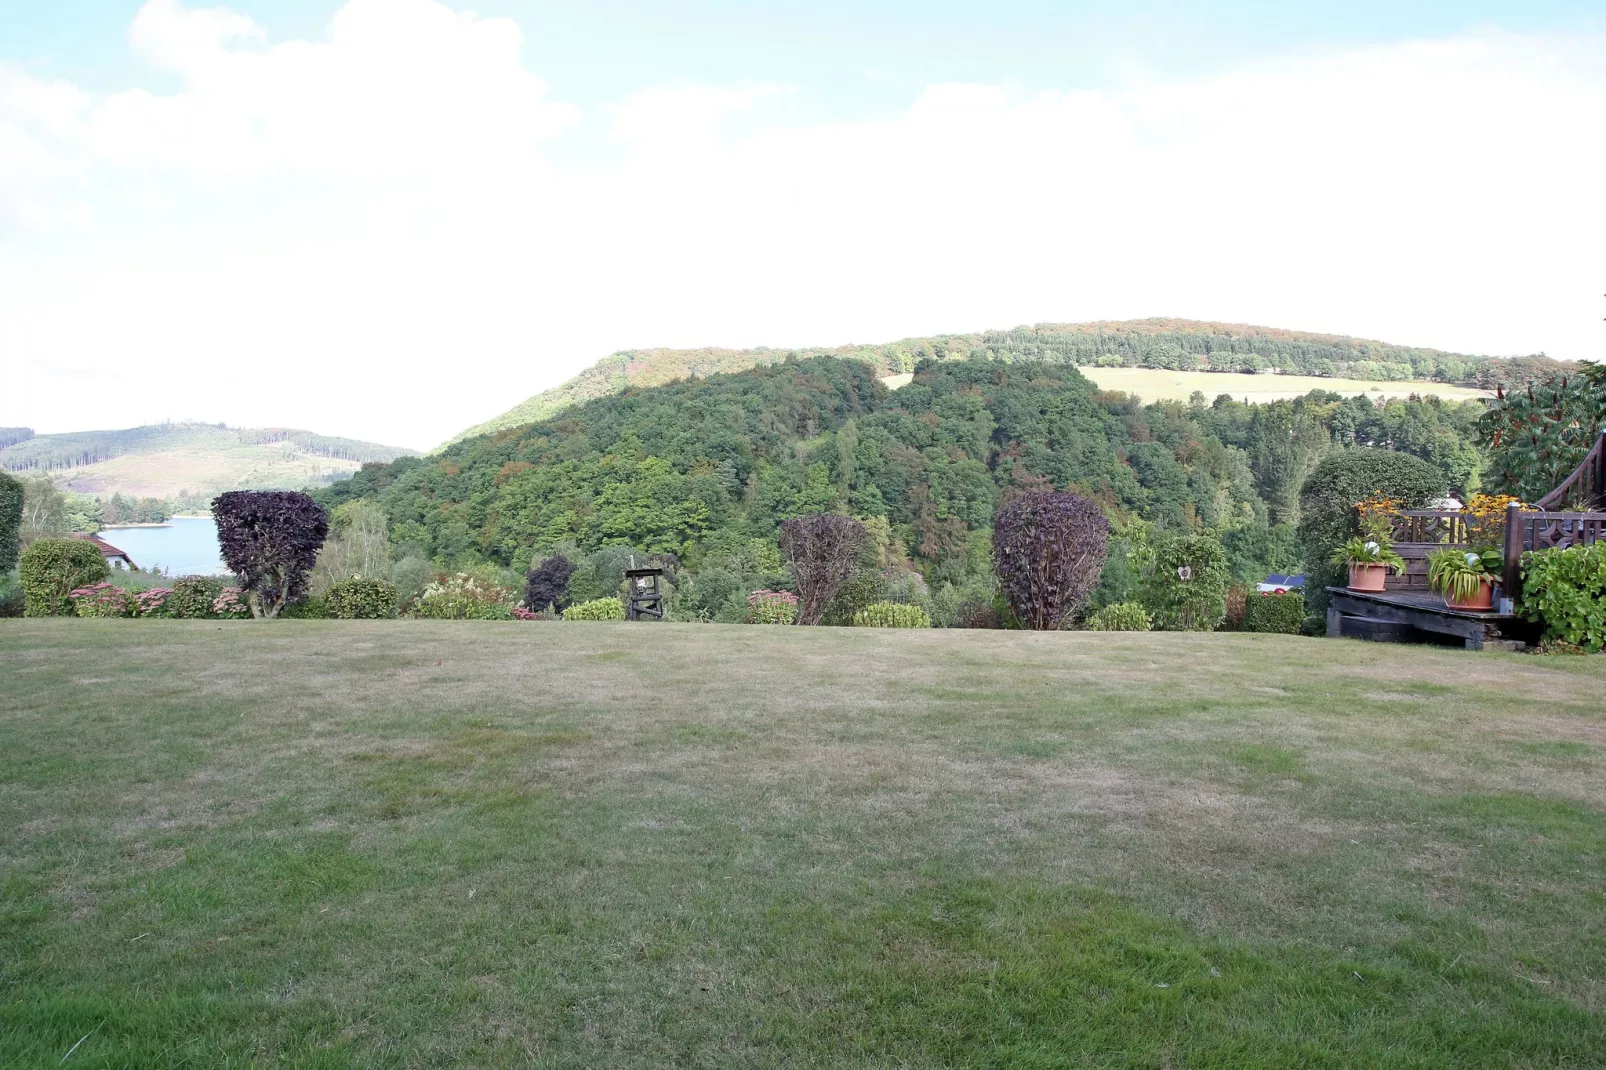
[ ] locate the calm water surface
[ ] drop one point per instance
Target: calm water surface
(184, 546)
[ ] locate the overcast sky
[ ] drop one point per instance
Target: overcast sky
(394, 218)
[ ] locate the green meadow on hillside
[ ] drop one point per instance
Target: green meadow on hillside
(424, 843)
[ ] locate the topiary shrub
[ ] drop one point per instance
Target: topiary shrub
(823, 552)
(102, 600)
(1185, 585)
(464, 597)
(1565, 590)
(771, 607)
(1280, 614)
(1120, 617)
(51, 569)
(361, 599)
(596, 609)
(547, 584)
(1327, 506)
(891, 615)
(270, 540)
(1048, 551)
(10, 522)
(193, 596)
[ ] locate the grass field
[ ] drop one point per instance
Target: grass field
(1156, 385)
(433, 844)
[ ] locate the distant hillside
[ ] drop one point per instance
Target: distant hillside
(169, 460)
(1161, 344)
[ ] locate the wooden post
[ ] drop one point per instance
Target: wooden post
(1600, 470)
(1512, 581)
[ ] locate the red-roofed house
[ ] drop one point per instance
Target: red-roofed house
(114, 557)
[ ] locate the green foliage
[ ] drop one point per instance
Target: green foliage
(1120, 617)
(1185, 585)
(312, 607)
(1363, 551)
(1566, 591)
(771, 607)
(51, 569)
(1537, 434)
(12, 601)
(891, 615)
(597, 609)
(1459, 574)
(1283, 614)
(862, 590)
(10, 522)
(193, 596)
(465, 597)
(361, 599)
(1327, 506)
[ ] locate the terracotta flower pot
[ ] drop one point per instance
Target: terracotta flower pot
(1367, 577)
(1482, 601)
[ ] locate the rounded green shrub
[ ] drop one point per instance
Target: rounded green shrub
(193, 597)
(361, 599)
(891, 615)
(1197, 603)
(51, 569)
(1281, 614)
(596, 609)
(862, 590)
(1565, 590)
(1120, 617)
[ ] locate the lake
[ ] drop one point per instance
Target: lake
(184, 546)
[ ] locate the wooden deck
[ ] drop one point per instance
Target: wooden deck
(1419, 616)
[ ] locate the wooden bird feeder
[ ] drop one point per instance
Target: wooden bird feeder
(646, 593)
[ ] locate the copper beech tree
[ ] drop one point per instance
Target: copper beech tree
(1048, 551)
(270, 539)
(823, 550)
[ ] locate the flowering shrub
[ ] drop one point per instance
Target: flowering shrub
(520, 613)
(891, 615)
(772, 607)
(153, 602)
(464, 597)
(102, 600)
(361, 599)
(597, 609)
(1120, 617)
(193, 596)
(1486, 518)
(231, 604)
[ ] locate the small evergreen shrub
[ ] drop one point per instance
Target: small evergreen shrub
(891, 615)
(1566, 591)
(51, 569)
(361, 599)
(771, 607)
(192, 597)
(102, 600)
(464, 597)
(1120, 617)
(1281, 614)
(596, 609)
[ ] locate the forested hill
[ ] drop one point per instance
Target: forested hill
(168, 460)
(698, 466)
(1179, 345)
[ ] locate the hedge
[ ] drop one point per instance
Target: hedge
(1281, 614)
(361, 599)
(10, 521)
(598, 609)
(891, 615)
(1120, 617)
(51, 569)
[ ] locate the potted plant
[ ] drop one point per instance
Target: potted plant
(1465, 578)
(1370, 560)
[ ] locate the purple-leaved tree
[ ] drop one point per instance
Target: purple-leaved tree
(823, 549)
(1048, 551)
(270, 539)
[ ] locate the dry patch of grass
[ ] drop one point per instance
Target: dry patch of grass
(409, 843)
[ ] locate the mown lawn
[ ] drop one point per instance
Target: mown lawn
(433, 844)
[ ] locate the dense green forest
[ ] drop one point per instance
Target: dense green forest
(1184, 345)
(704, 467)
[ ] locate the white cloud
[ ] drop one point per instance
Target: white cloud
(377, 234)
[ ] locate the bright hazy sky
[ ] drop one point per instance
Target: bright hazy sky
(393, 218)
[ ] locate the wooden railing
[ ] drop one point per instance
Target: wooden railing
(1542, 530)
(1418, 532)
(1586, 486)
